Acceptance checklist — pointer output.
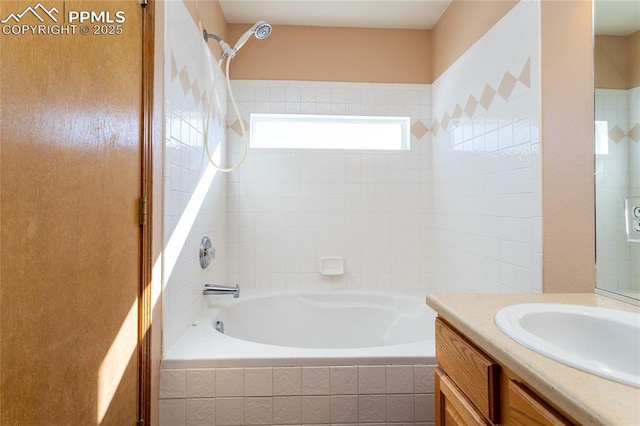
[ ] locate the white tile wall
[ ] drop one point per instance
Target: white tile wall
(486, 162)
(288, 208)
(366, 395)
(616, 178)
(194, 196)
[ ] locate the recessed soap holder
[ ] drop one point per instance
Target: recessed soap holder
(332, 265)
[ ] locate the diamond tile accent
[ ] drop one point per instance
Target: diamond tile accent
(507, 85)
(525, 74)
(457, 113)
(184, 79)
(195, 91)
(634, 133)
(419, 129)
(435, 127)
(174, 67)
(236, 127)
(470, 108)
(445, 121)
(487, 97)
(616, 134)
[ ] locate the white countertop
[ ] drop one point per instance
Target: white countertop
(589, 399)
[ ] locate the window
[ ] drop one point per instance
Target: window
(304, 131)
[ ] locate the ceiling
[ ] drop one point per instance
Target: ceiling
(613, 17)
(617, 17)
(415, 14)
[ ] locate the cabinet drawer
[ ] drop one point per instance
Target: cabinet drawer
(528, 410)
(452, 407)
(477, 375)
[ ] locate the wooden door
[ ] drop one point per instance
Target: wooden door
(70, 256)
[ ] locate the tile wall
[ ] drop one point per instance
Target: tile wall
(487, 232)
(617, 177)
(287, 208)
(195, 195)
(339, 395)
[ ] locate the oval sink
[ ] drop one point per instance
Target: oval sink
(600, 341)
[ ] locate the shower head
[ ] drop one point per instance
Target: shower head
(260, 29)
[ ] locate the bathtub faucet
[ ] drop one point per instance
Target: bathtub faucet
(210, 289)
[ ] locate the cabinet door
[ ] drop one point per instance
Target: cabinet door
(528, 410)
(477, 375)
(452, 407)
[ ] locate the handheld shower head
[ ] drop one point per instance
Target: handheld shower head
(260, 29)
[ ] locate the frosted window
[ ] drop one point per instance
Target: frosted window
(602, 137)
(329, 132)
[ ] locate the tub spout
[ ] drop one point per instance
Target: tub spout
(210, 289)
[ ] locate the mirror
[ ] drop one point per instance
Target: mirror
(617, 146)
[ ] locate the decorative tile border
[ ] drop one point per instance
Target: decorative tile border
(391, 394)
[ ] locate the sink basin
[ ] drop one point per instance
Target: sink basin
(600, 341)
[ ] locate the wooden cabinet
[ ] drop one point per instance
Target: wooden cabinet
(473, 389)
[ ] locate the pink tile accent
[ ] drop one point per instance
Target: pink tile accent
(525, 74)
(174, 67)
(457, 113)
(419, 129)
(445, 121)
(506, 86)
(616, 134)
(236, 127)
(470, 107)
(185, 82)
(487, 97)
(634, 133)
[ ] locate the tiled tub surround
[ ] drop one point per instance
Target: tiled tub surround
(487, 229)
(287, 208)
(335, 395)
(194, 195)
(617, 177)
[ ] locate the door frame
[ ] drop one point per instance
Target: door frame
(145, 308)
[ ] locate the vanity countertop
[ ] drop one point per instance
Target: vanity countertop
(589, 399)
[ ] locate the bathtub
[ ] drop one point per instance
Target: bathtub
(294, 328)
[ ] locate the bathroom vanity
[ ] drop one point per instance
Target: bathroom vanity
(485, 377)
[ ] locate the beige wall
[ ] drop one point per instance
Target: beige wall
(617, 61)
(611, 62)
(462, 24)
(634, 60)
(208, 15)
(333, 54)
(567, 146)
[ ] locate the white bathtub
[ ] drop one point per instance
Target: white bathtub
(340, 327)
